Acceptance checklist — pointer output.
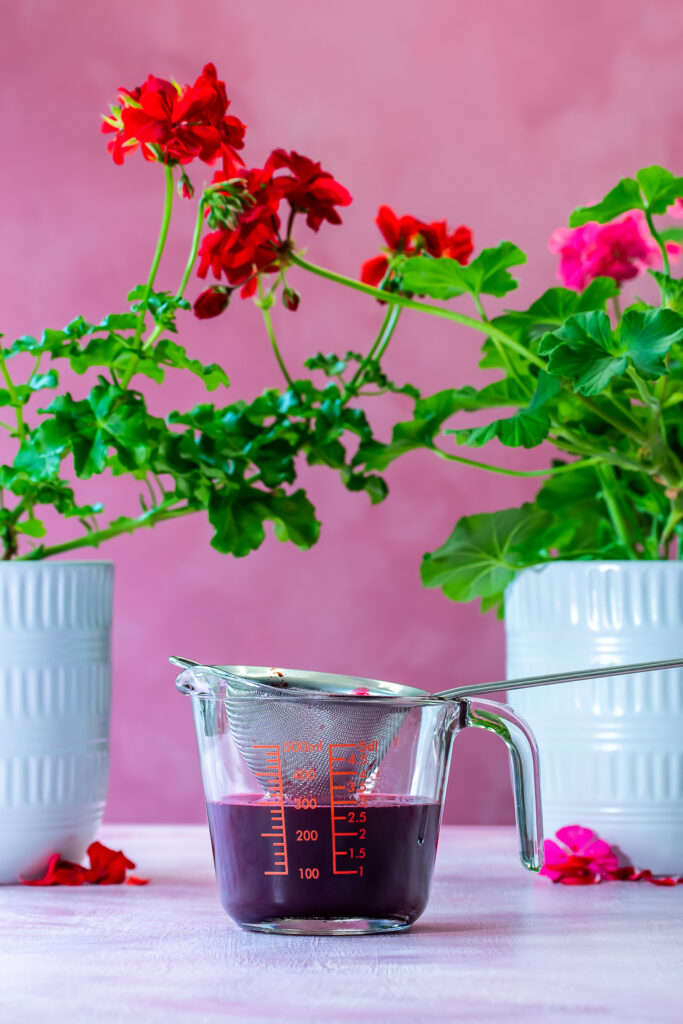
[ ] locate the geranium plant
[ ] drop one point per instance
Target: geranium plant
(234, 462)
(601, 384)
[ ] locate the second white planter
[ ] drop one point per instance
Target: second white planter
(611, 749)
(55, 697)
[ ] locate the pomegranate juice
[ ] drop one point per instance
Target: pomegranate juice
(372, 862)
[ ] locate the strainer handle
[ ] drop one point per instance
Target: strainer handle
(524, 768)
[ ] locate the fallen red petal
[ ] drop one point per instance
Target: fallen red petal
(107, 867)
(59, 872)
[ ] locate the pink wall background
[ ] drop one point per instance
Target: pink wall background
(501, 116)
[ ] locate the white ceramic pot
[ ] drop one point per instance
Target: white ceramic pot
(611, 749)
(55, 697)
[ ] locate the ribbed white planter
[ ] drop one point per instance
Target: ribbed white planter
(611, 749)
(55, 697)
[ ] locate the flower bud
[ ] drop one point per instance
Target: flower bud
(212, 302)
(290, 298)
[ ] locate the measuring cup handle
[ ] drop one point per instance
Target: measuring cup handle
(524, 767)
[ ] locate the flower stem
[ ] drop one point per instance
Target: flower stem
(609, 491)
(422, 307)
(271, 334)
(618, 424)
(378, 346)
(552, 471)
(196, 236)
(95, 538)
(616, 307)
(660, 242)
(161, 242)
(13, 397)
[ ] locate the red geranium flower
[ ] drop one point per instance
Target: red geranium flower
(410, 236)
(252, 246)
(308, 188)
(174, 125)
(457, 246)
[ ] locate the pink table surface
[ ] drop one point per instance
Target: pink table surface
(495, 944)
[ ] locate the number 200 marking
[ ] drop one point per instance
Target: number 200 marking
(306, 835)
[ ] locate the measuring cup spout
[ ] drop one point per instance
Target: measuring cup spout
(205, 680)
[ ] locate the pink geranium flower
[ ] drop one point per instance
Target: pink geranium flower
(676, 210)
(620, 250)
(580, 858)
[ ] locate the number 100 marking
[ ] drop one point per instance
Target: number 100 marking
(309, 873)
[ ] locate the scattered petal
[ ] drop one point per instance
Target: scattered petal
(107, 867)
(581, 858)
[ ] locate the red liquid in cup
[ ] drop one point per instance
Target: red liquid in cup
(390, 844)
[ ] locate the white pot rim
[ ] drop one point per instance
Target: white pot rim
(53, 562)
(620, 563)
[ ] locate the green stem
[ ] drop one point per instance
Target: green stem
(271, 334)
(610, 487)
(553, 471)
(660, 242)
(13, 397)
(381, 341)
(618, 424)
(664, 541)
(422, 307)
(156, 515)
(616, 308)
(161, 242)
(507, 362)
(194, 248)
(563, 437)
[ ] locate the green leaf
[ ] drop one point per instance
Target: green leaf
(585, 351)
(660, 188)
(523, 430)
(445, 278)
(37, 462)
(488, 273)
(429, 416)
(31, 527)
(374, 486)
(44, 380)
(331, 364)
(646, 337)
(484, 552)
(78, 328)
(169, 353)
(671, 235)
(238, 515)
(119, 322)
(671, 289)
(626, 196)
(110, 351)
(24, 344)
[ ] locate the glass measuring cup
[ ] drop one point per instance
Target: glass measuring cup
(324, 808)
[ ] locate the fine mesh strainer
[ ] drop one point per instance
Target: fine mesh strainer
(309, 706)
(328, 708)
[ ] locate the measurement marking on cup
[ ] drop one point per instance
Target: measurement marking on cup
(335, 803)
(277, 808)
